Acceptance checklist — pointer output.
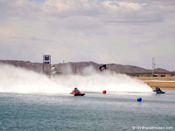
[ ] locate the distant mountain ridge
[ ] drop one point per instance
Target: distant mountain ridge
(77, 67)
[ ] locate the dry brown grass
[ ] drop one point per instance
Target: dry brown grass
(157, 78)
(162, 82)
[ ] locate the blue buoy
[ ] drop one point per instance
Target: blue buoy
(139, 99)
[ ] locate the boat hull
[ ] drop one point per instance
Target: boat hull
(80, 94)
(159, 92)
(77, 94)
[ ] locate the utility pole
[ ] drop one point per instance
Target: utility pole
(153, 65)
(75, 69)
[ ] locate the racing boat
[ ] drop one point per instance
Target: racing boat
(158, 91)
(77, 94)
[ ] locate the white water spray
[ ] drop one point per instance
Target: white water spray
(18, 80)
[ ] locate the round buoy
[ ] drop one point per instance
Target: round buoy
(139, 99)
(104, 92)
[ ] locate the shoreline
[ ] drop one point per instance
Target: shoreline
(161, 82)
(164, 88)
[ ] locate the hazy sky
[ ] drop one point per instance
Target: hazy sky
(128, 32)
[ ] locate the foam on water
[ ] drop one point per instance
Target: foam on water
(18, 80)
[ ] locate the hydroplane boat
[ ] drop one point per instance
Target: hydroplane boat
(76, 92)
(158, 91)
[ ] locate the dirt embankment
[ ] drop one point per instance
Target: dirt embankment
(161, 82)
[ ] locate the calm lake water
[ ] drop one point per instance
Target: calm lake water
(92, 112)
